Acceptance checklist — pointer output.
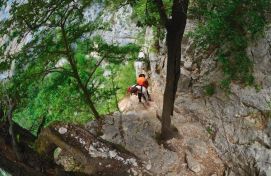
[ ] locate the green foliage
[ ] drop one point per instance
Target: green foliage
(145, 13)
(115, 87)
(57, 97)
(209, 89)
(230, 26)
(268, 112)
(58, 60)
(4, 173)
(125, 77)
(210, 130)
(258, 88)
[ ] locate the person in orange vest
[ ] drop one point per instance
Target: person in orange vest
(144, 84)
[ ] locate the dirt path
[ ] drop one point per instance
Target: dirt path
(137, 127)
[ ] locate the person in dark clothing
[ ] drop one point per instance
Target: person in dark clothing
(142, 81)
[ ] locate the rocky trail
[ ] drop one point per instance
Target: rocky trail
(218, 132)
(234, 127)
(132, 147)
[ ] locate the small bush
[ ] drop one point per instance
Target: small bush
(210, 130)
(209, 89)
(229, 26)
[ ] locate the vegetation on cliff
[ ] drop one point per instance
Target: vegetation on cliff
(62, 71)
(227, 27)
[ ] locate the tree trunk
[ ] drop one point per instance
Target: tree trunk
(85, 92)
(175, 29)
(17, 169)
(32, 164)
(77, 76)
(1, 112)
(15, 146)
(41, 125)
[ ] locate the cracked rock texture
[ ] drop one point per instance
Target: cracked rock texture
(239, 122)
(136, 129)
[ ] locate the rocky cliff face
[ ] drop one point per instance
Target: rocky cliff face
(121, 28)
(136, 129)
(237, 125)
(239, 122)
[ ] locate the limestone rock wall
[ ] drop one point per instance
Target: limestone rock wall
(121, 28)
(239, 122)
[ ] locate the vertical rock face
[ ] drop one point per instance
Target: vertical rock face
(122, 29)
(156, 56)
(239, 122)
(140, 67)
(260, 53)
(9, 73)
(13, 48)
(4, 75)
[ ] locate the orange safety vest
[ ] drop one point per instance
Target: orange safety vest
(142, 82)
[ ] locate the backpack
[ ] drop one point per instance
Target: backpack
(133, 90)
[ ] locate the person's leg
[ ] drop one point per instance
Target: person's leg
(144, 97)
(140, 92)
(139, 96)
(144, 92)
(149, 97)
